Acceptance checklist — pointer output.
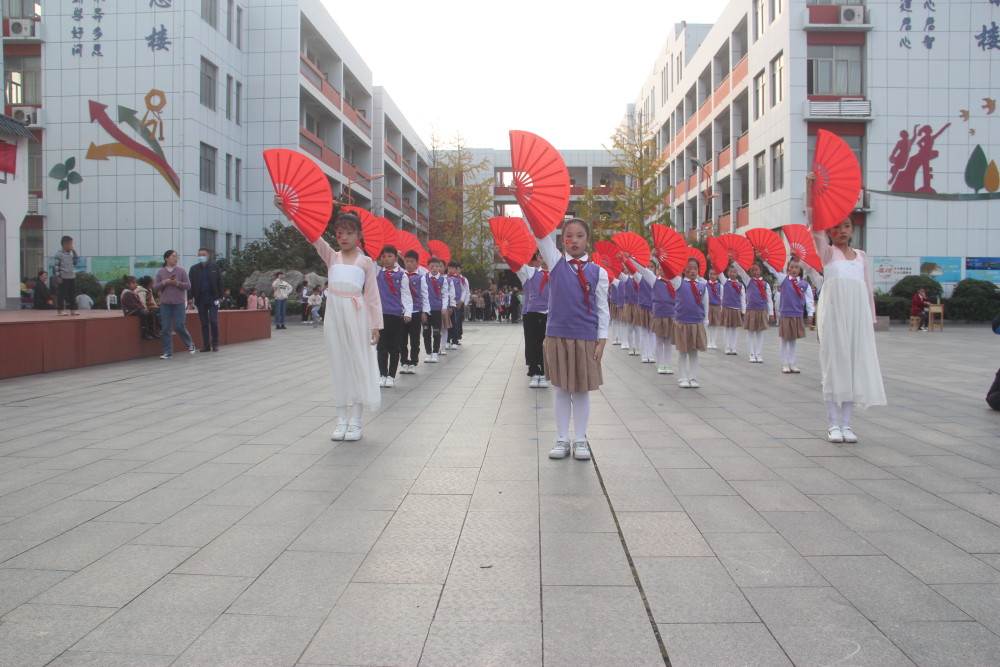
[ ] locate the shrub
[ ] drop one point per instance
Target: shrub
(896, 307)
(87, 284)
(909, 285)
(973, 301)
(118, 284)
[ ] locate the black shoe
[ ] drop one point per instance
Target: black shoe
(148, 337)
(215, 348)
(206, 349)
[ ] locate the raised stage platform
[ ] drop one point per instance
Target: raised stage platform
(39, 341)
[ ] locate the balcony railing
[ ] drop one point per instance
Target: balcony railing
(725, 223)
(391, 152)
(743, 145)
(423, 184)
(705, 110)
(409, 210)
(740, 71)
(422, 219)
(313, 145)
(316, 78)
(725, 157)
(394, 199)
(743, 216)
(845, 108)
(360, 121)
(721, 92)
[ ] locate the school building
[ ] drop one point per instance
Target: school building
(911, 85)
(150, 119)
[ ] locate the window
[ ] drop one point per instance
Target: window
(206, 168)
(23, 79)
(239, 28)
(229, 19)
(239, 242)
(229, 176)
(237, 104)
(22, 9)
(209, 75)
(777, 79)
(777, 166)
(237, 170)
(758, 19)
(854, 141)
(759, 95)
(229, 244)
(774, 8)
(35, 178)
(207, 241)
(229, 97)
(835, 70)
(759, 175)
(210, 12)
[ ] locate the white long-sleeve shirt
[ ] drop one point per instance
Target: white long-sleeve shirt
(723, 280)
(551, 255)
(767, 288)
(803, 285)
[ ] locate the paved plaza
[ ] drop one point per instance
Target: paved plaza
(195, 512)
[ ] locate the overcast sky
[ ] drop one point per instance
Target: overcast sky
(564, 70)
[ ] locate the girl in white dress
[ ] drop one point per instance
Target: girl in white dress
(846, 325)
(351, 326)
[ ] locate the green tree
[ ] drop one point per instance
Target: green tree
(283, 247)
(635, 157)
(975, 169)
(590, 207)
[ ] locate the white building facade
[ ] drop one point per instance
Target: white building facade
(152, 118)
(911, 85)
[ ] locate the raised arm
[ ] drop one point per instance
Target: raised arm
(550, 253)
(373, 300)
(779, 276)
(744, 276)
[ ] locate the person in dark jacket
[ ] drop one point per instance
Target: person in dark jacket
(206, 290)
(132, 306)
(42, 296)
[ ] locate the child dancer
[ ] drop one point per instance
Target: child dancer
(397, 309)
(460, 288)
(760, 309)
(646, 338)
(662, 320)
(576, 333)
(714, 308)
(535, 279)
(410, 350)
(439, 299)
(690, 317)
(630, 304)
(734, 305)
(351, 328)
(613, 310)
(847, 356)
(796, 298)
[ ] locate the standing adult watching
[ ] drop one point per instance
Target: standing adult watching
(172, 283)
(281, 291)
(206, 290)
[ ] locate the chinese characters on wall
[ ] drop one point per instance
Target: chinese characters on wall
(87, 28)
(917, 26)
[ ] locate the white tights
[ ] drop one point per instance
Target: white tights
(687, 364)
(354, 411)
(664, 351)
(713, 335)
(839, 414)
(731, 336)
(633, 336)
(788, 351)
(577, 403)
(648, 343)
(755, 342)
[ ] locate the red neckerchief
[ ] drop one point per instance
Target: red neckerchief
(388, 280)
(636, 283)
(694, 290)
(670, 286)
(412, 293)
(795, 284)
(714, 286)
(737, 285)
(545, 279)
(437, 288)
(579, 264)
(760, 286)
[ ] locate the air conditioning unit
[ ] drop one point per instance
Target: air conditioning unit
(852, 14)
(861, 205)
(21, 29)
(26, 115)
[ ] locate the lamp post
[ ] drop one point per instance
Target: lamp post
(350, 186)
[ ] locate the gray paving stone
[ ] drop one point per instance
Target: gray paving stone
(933, 559)
(194, 526)
(816, 481)
(491, 587)
(692, 590)
(762, 559)
(252, 454)
(156, 505)
(373, 494)
(985, 505)
(662, 534)
(34, 634)
(721, 644)
(460, 643)
(78, 547)
(641, 496)
(124, 487)
(299, 583)
(959, 466)
(18, 586)
(774, 496)
(251, 640)
(961, 528)
(617, 631)
(851, 467)
(510, 534)
(945, 644)
(575, 514)
(584, 559)
(75, 658)
(19, 503)
(343, 531)
(52, 520)
(246, 491)
(724, 514)
(863, 512)
(819, 534)
(289, 509)
(241, 551)
(696, 482)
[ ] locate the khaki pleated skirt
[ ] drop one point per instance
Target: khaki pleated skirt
(613, 309)
(731, 318)
(689, 337)
(662, 326)
(445, 319)
(755, 320)
(632, 313)
(643, 317)
(570, 364)
(714, 316)
(791, 328)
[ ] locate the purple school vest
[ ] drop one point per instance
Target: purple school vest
(731, 293)
(536, 297)
(456, 283)
(418, 300)
(434, 296)
(690, 310)
(664, 304)
(645, 295)
(756, 300)
(620, 293)
(714, 294)
(631, 290)
(792, 303)
(568, 316)
(392, 299)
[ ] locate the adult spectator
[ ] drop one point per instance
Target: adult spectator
(43, 299)
(172, 283)
(304, 292)
(241, 299)
(281, 290)
(84, 302)
(921, 306)
(993, 395)
(206, 290)
(132, 306)
(145, 293)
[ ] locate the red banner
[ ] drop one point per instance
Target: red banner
(8, 157)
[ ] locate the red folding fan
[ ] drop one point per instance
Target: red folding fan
(405, 241)
(513, 240)
(605, 263)
(425, 257)
(730, 248)
(606, 254)
(304, 190)
(391, 236)
(633, 244)
(541, 181)
(671, 249)
(440, 250)
(768, 245)
(698, 255)
(838, 181)
(802, 245)
(373, 237)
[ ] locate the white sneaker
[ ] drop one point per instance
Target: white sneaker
(444, 349)
(662, 370)
(192, 350)
(430, 359)
(785, 368)
(792, 368)
(848, 434)
(390, 382)
(560, 450)
(616, 343)
(353, 431)
(166, 356)
(835, 434)
(760, 359)
(381, 381)
(684, 383)
(543, 382)
(625, 346)
(693, 384)
(712, 346)
(752, 359)
(581, 449)
(340, 431)
(534, 382)
(670, 370)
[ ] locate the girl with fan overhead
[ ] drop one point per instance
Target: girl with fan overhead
(734, 305)
(847, 355)
(796, 299)
(759, 310)
(664, 299)
(352, 324)
(576, 333)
